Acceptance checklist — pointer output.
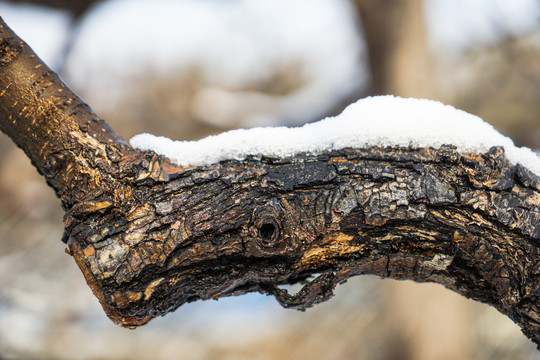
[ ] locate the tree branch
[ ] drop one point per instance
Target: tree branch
(150, 236)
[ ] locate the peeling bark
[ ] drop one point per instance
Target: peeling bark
(150, 236)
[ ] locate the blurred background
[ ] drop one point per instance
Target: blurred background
(189, 68)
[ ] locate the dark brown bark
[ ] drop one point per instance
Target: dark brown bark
(150, 236)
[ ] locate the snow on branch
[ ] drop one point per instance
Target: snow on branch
(373, 121)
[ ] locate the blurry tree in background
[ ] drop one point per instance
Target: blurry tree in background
(400, 63)
(498, 81)
(505, 72)
(77, 10)
(76, 7)
(398, 53)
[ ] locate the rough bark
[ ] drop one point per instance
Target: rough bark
(150, 236)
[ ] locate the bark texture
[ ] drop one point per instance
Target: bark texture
(150, 236)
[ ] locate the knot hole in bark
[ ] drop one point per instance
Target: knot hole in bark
(268, 229)
(269, 232)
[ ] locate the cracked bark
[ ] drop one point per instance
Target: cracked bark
(150, 236)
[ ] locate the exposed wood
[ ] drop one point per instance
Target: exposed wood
(150, 236)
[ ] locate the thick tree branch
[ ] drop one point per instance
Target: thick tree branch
(150, 236)
(62, 136)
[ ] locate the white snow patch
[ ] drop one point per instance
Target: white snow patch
(373, 121)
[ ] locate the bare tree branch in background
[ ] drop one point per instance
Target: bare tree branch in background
(150, 236)
(77, 9)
